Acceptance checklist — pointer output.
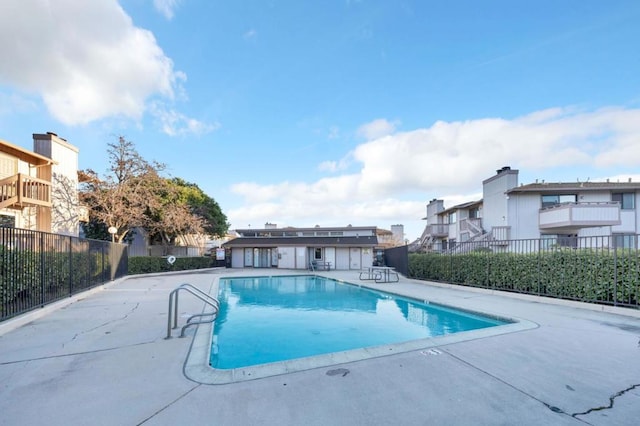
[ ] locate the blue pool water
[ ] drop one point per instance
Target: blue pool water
(269, 319)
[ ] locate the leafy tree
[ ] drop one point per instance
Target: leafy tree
(214, 220)
(168, 217)
(120, 199)
(135, 195)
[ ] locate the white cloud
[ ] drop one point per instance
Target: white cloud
(15, 102)
(90, 63)
(329, 166)
(174, 123)
(166, 7)
(400, 172)
(336, 166)
(461, 154)
(334, 132)
(249, 34)
(376, 129)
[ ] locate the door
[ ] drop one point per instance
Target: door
(342, 258)
(301, 258)
(248, 257)
(355, 261)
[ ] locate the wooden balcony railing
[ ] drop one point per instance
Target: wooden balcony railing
(22, 190)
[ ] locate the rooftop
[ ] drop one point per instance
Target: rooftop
(575, 186)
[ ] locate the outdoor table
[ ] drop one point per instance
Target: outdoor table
(320, 265)
(380, 274)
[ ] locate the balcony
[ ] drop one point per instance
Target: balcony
(19, 191)
(570, 217)
(438, 230)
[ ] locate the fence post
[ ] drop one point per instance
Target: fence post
(615, 271)
(42, 266)
(103, 272)
(114, 260)
(70, 266)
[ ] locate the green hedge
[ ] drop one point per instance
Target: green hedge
(585, 275)
(145, 265)
(31, 278)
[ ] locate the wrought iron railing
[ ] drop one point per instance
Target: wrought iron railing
(38, 268)
(603, 269)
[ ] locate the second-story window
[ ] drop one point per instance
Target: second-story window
(8, 165)
(452, 217)
(555, 199)
(626, 200)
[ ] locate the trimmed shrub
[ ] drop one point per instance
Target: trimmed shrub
(145, 265)
(597, 276)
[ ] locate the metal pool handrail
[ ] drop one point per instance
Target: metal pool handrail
(173, 308)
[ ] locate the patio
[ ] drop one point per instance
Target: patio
(103, 360)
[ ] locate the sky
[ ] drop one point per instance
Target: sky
(334, 112)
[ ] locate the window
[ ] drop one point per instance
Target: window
(336, 233)
(624, 241)
(7, 221)
(317, 253)
(452, 217)
(549, 241)
(8, 165)
(474, 213)
(554, 200)
(626, 200)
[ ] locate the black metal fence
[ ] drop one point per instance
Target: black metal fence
(38, 268)
(398, 258)
(599, 269)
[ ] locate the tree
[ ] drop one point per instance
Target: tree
(120, 199)
(214, 220)
(168, 216)
(183, 209)
(135, 195)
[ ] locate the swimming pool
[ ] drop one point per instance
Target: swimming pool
(280, 324)
(271, 319)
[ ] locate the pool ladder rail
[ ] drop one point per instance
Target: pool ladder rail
(206, 317)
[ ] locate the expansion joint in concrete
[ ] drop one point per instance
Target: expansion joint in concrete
(169, 404)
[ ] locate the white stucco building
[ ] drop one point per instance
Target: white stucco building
(342, 248)
(555, 212)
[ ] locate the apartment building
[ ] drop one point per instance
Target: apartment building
(38, 189)
(558, 212)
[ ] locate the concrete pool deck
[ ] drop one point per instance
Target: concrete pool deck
(103, 360)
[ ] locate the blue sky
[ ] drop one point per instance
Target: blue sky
(330, 113)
